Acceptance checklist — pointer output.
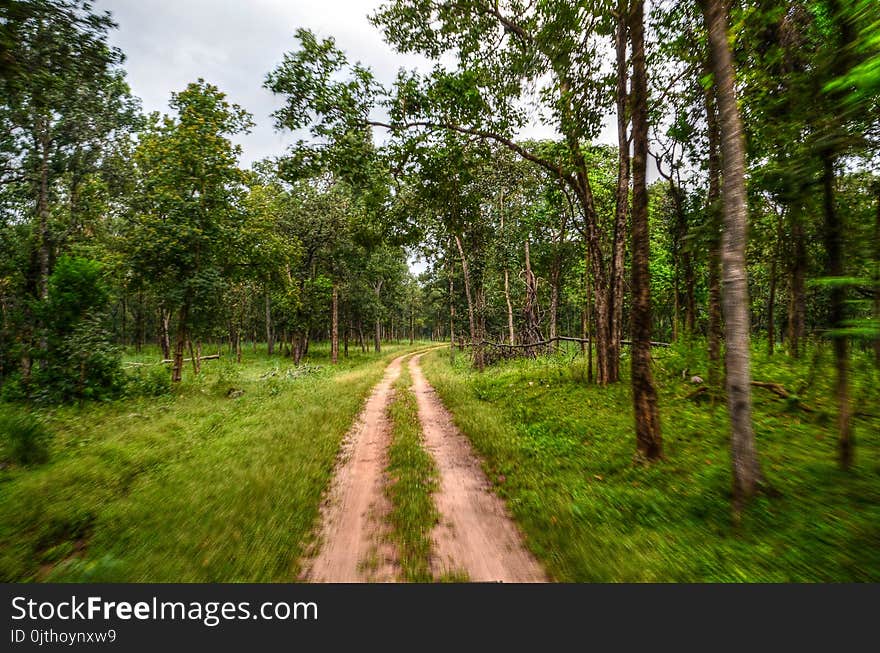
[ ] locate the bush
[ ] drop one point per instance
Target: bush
(25, 439)
(81, 363)
(153, 381)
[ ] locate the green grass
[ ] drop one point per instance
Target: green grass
(561, 454)
(218, 481)
(413, 480)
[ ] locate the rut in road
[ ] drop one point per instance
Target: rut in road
(474, 534)
(354, 542)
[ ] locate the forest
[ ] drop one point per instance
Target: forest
(664, 352)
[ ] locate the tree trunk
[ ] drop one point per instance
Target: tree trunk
(531, 324)
(165, 332)
(837, 313)
(588, 317)
(735, 300)
(798, 299)
(177, 367)
(477, 346)
(43, 216)
(270, 334)
(771, 308)
(648, 438)
(714, 262)
(377, 339)
(334, 327)
(554, 295)
(510, 328)
(613, 302)
(771, 299)
(451, 310)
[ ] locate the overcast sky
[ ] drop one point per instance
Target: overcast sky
(233, 44)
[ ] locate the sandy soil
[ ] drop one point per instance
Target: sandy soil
(475, 535)
(354, 543)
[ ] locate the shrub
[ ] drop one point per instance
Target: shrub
(25, 439)
(153, 381)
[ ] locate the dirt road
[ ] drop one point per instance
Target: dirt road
(474, 535)
(354, 543)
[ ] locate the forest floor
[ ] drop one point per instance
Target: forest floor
(471, 535)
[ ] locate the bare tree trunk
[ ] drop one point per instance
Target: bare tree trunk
(735, 303)
(510, 328)
(649, 441)
(478, 349)
(612, 304)
(835, 269)
(771, 299)
(165, 332)
(192, 356)
(797, 301)
(588, 317)
(531, 324)
(451, 311)
(675, 304)
(270, 333)
(714, 262)
(198, 357)
(334, 327)
(177, 367)
(771, 308)
(377, 340)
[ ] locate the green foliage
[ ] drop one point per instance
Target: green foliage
(152, 381)
(24, 438)
(81, 361)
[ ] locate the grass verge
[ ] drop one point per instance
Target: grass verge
(219, 481)
(561, 454)
(413, 480)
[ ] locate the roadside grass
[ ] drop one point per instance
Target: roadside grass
(219, 480)
(413, 479)
(560, 452)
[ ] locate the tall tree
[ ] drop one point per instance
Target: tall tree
(185, 232)
(648, 439)
(746, 469)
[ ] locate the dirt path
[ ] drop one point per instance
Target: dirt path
(475, 534)
(354, 542)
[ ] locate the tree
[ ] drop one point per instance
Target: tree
(184, 234)
(63, 97)
(746, 469)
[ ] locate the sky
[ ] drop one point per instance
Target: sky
(233, 44)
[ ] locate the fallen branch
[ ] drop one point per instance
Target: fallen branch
(775, 388)
(542, 343)
(780, 391)
(201, 358)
